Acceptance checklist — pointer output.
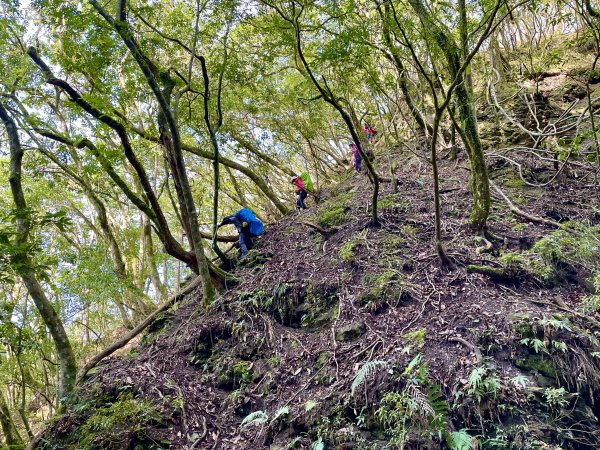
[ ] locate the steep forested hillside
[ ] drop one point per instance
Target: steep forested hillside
(440, 291)
(359, 340)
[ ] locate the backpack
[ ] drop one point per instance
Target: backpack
(308, 184)
(256, 226)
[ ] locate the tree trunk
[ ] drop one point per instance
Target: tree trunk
(26, 269)
(9, 430)
(479, 181)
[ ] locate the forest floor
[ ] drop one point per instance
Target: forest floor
(282, 349)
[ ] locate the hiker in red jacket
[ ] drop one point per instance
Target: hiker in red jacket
(301, 191)
(370, 132)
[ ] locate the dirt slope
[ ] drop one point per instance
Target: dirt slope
(435, 351)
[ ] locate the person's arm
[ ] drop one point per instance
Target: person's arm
(238, 223)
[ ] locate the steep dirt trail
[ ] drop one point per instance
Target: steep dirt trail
(289, 340)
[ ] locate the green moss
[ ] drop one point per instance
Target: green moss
(274, 361)
(514, 183)
(538, 364)
(408, 230)
(519, 227)
(333, 217)
(514, 261)
(346, 251)
(394, 202)
(336, 210)
(386, 287)
(392, 242)
(321, 360)
(117, 423)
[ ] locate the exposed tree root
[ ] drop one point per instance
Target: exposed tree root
(471, 346)
(202, 436)
(486, 248)
(326, 233)
(138, 329)
(521, 213)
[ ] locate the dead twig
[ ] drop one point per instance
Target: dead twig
(202, 436)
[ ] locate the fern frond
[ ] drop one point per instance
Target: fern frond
(254, 418)
(459, 440)
(365, 371)
(421, 400)
(318, 445)
(283, 411)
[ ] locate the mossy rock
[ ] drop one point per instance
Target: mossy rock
(256, 258)
(333, 217)
(318, 322)
(350, 332)
(121, 422)
(386, 289)
(538, 364)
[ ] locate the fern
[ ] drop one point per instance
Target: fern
(415, 362)
(255, 418)
(421, 401)
(459, 440)
(283, 411)
(365, 371)
(519, 381)
(310, 404)
(318, 445)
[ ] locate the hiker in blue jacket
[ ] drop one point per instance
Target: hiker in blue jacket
(247, 225)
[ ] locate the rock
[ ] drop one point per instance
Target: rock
(583, 413)
(350, 332)
(539, 364)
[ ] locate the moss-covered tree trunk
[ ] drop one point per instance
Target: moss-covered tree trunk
(479, 181)
(26, 267)
(12, 439)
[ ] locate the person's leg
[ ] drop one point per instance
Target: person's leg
(244, 244)
(299, 201)
(303, 195)
(249, 240)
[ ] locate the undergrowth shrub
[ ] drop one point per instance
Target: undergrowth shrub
(574, 247)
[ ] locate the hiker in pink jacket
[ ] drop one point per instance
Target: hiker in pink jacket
(301, 191)
(355, 156)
